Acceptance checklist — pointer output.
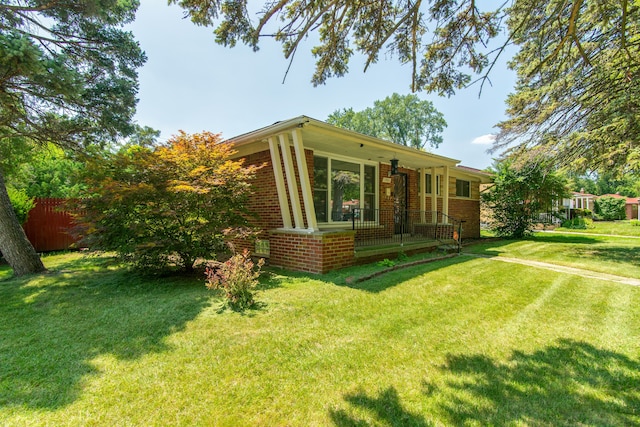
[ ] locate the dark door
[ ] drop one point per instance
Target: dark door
(400, 203)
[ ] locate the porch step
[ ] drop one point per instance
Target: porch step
(449, 248)
(391, 249)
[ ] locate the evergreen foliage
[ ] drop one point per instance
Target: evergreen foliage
(578, 62)
(67, 76)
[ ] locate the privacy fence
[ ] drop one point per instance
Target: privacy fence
(48, 225)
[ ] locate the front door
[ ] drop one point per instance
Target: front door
(400, 202)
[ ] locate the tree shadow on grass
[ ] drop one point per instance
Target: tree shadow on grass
(617, 254)
(492, 247)
(55, 324)
(586, 249)
(570, 383)
(563, 238)
(565, 384)
(386, 409)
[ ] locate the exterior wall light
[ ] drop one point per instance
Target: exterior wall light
(394, 166)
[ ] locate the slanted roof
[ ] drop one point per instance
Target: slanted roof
(629, 200)
(322, 137)
(582, 194)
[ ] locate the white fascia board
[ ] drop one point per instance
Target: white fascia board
(241, 142)
(475, 176)
(382, 143)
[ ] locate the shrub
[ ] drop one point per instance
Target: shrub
(610, 208)
(386, 263)
(582, 213)
(578, 223)
(169, 205)
(635, 223)
(237, 278)
(402, 257)
(21, 203)
(519, 194)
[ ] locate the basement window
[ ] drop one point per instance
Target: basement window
(262, 248)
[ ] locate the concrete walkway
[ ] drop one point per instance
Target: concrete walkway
(562, 269)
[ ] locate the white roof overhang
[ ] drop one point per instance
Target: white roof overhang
(326, 138)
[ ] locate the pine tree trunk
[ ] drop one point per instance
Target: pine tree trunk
(15, 246)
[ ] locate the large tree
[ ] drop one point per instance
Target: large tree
(578, 92)
(403, 119)
(67, 76)
(578, 60)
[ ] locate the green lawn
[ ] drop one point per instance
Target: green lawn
(619, 228)
(465, 341)
(613, 255)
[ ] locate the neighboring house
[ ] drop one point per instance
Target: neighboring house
(328, 198)
(631, 207)
(579, 200)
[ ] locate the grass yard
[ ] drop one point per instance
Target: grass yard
(464, 341)
(613, 255)
(619, 228)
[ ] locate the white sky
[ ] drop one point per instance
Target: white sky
(190, 83)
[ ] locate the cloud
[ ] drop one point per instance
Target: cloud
(485, 139)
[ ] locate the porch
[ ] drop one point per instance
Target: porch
(388, 231)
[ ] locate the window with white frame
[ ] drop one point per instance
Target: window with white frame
(342, 187)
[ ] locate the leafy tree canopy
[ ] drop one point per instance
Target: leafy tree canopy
(519, 194)
(403, 119)
(67, 76)
(578, 61)
(607, 183)
(68, 70)
(49, 172)
(577, 97)
(167, 205)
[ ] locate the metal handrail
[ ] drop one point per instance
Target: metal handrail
(385, 226)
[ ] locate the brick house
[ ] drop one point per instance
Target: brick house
(328, 198)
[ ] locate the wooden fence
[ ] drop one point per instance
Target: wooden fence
(48, 226)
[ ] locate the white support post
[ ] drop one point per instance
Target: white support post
(423, 194)
(305, 182)
(291, 181)
(445, 195)
(280, 185)
(434, 195)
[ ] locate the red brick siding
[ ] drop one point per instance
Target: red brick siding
(469, 211)
(264, 201)
(326, 251)
(318, 252)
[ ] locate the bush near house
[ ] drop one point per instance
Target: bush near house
(578, 223)
(237, 278)
(519, 194)
(610, 208)
(169, 205)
